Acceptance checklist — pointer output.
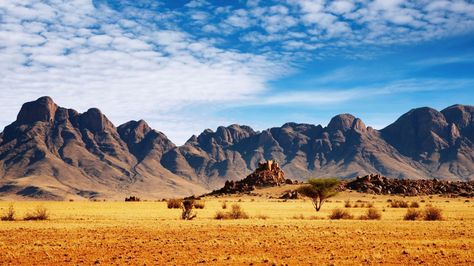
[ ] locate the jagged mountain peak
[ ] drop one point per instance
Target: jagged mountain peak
(43, 109)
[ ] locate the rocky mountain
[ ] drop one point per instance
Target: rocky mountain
(54, 152)
(51, 152)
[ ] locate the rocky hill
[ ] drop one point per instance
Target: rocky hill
(51, 152)
(268, 174)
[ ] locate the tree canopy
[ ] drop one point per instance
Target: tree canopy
(319, 189)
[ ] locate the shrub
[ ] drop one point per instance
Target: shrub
(372, 214)
(414, 204)
(370, 205)
(347, 204)
(224, 205)
(9, 215)
(40, 213)
(174, 203)
(433, 214)
(412, 215)
(187, 208)
(199, 204)
(399, 204)
(132, 198)
(340, 214)
(261, 217)
(235, 213)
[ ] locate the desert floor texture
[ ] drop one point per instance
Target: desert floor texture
(277, 233)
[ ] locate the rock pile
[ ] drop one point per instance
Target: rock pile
(268, 174)
(378, 184)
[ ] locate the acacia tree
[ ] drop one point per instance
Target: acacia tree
(319, 189)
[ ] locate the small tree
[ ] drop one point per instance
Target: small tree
(320, 189)
(187, 213)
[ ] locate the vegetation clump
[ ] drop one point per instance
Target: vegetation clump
(399, 204)
(433, 214)
(320, 189)
(9, 215)
(236, 212)
(199, 204)
(40, 213)
(187, 207)
(372, 214)
(414, 204)
(174, 203)
(132, 198)
(338, 214)
(412, 215)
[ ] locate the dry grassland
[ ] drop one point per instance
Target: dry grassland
(279, 233)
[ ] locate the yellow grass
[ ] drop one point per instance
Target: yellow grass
(150, 233)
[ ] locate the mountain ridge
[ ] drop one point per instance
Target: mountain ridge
(62, 152)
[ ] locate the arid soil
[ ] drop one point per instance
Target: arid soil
(278, 232)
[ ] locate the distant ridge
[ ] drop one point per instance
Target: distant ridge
(58, 153)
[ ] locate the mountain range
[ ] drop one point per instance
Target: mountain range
(51, 152)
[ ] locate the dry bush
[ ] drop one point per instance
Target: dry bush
(132, 198)
(347, 204)
(298, 217)
(412, 215)
(356, 205)
(224, 205)
(340, 214)
(9, 215)
(199, 204)
(414, 204)
(372, 214)
(235, 213)
(370, 205)
(433, 214)
(40, 213)
(174, 203)
(262, 217)
(187, 208)
(399, 204)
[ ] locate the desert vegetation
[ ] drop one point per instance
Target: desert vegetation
(319, 190)
(40, 213)
(9, 214)
(174, 203)
(236, 212)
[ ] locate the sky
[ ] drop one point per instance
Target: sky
(184, 66)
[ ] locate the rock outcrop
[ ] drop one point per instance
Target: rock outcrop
(268, 174)
(378, 184)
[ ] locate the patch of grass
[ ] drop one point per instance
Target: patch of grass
(200, 204)
(235, 213)
(412, 215)
(39, 214)
(9, 215)
(372, 214)
(340, 214)
(347, 204)
(174, 203)
(399, 204)
(433, 214)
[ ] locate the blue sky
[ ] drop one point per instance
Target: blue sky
(184, 66)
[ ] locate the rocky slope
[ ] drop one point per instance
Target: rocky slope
(54, 152)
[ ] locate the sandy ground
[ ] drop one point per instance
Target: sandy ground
(147, 233)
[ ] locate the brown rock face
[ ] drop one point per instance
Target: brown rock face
(268, 174)
(43, 109)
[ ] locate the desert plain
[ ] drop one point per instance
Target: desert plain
(278, 232)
